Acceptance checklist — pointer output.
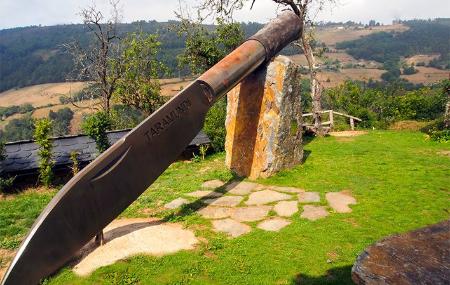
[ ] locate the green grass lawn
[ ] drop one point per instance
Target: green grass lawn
(400, 180)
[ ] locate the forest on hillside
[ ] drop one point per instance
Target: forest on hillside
(34, 55)
(423, 37)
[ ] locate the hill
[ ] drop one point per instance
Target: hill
(34, 55)
(422, 37)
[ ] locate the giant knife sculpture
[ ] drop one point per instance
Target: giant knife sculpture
(107, 186)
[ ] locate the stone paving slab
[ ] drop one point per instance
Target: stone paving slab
(286, 208)
(313, 213)
(213, 183)
(225, 201)
(273, 225)
(309, 197)
(231, 227)
(176, 203)
(241, 188)
(128, 237)
(251, 213)
(265, 197)
(339, 201)
(204, 194)
(211, 212)
(286, 189)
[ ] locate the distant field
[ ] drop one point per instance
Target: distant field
(333, 79)
(425, 58)
(45, 97)
(427, 75)
(39, 95)
(331, 36)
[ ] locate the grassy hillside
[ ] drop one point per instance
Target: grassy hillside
(400, 181)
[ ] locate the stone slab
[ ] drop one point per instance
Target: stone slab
(339, 201)
(211, 212)
(313, 213)
(225, 201)
(265, 197)
(286, 189)
(204, 194)
(418, 257)
(251, 213)
(241, 188)
(273, 225)
(309, 197)
(231, 227)
(213, 183)
(128, 237)
(176, 203)
(286, 208)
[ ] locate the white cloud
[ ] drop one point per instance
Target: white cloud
(15, 13)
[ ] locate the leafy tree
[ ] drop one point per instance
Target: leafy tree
(61, 121)
(125, 117)
(204, 46)
(408, 70)
(138, 68)
(214, 125)
(43, 130)
(96, 127)
(19, 129)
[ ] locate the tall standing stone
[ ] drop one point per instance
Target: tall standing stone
(264, 119)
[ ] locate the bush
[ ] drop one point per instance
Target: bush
(61, 121)
(409, 70)
(96, 126)
(43, 129)
(438, 131)
(19, 129)
(215, 124)
(5, 182)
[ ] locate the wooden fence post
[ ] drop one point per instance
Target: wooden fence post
(331, 120)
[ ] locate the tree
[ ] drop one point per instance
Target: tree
(94, 63)
(204, 46)
(61, 121)
(303, 9)
(138, 68)
(43, 129)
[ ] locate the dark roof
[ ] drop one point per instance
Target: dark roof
(22, 156)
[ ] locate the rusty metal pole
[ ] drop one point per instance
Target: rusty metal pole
(102, 190)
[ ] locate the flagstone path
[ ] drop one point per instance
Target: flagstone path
(235, 209)
(230, 207)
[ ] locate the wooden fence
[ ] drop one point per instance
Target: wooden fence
(330, 122)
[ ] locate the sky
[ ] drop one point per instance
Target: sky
(18, 13)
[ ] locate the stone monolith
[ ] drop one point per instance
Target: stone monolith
(264, 119)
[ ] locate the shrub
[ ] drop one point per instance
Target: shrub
(75, 164)
(19, 129)
(96, 126)
(215, 124)
(438, 131)
(5, 182)
(43, 129)
(61, 121)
